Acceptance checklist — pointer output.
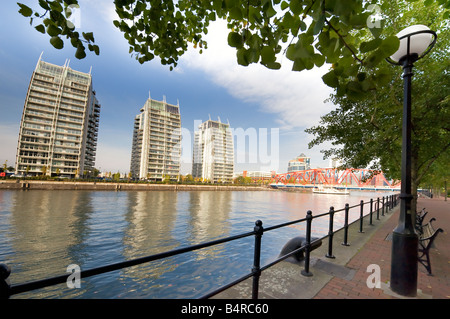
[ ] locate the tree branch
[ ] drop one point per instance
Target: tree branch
(430, 162)
(345, 43)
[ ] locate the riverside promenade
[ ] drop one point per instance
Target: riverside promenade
(346, 275)
(377, 250)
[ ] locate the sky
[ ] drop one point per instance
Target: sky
(270, 108)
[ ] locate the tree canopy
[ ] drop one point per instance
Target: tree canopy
(367, 131)
(353, 37)
(308, 32)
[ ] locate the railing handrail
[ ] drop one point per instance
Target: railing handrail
(7, 290)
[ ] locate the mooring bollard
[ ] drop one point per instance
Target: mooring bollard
(256, 270)
(345, 243)
(330, 234)
(305, 272)
(361, 217)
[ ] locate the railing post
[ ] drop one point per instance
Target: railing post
(361, 218)
(382, 212)
(330, 234)
(378, 208)
(306, 272)
(371, 211)
(256, 270)
(5, 287)
(345, 243)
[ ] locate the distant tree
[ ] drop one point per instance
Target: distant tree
(367, 132)
(116, 177)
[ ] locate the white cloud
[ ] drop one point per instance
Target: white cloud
(296, 98)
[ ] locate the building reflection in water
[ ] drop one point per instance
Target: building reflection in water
(150, 218)
(47, 230)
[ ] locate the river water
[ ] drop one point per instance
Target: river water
(43, 232)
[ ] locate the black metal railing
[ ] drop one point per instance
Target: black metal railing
(387, 203)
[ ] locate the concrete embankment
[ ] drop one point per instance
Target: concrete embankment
(66, 185)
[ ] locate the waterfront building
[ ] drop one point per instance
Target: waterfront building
(213, 154)
(156, 146)
(300, 163)
(59, 125)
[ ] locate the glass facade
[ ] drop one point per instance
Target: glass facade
(213, 155)
(59, 125)
(156, 145)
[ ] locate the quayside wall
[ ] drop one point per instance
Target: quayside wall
(72, 185)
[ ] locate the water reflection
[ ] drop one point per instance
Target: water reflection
(42, 232)
(208, 218)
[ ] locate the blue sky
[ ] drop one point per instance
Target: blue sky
(253, 99)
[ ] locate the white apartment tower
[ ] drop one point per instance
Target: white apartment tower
(156, 147)
(59, 125)
(213, 155)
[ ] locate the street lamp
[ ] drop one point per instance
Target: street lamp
(415, 42)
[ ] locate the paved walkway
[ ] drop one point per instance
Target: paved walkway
(345, 277)
(378, 251)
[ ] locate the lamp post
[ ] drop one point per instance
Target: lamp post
(415, 42)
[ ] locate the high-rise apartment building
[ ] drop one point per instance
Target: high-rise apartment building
(213, 155)
(59, 126)
(156, 147)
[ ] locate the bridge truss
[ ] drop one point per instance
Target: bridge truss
(335, 177)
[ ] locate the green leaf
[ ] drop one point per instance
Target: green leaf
(267, 55)
(235, 40)
(389, 46)
(319, 24)
(53, 30)
(298, 65)
(44, 5)
(331, 79)
(75, 41)
(319, 60)
(25, 10)
(56, 6)
(57, 42)
(40, 28)
(296, 6)
(242, 58)
(96, 49)
(273, 65)
(80, 53)
(88, 36)
(235, 13)
(370, 45)
(284, 5)
(376, 31)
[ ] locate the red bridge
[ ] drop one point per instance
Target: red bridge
(351, 177)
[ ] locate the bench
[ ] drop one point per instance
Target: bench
(426, 237)
(420, 216)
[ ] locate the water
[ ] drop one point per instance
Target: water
(43, 232)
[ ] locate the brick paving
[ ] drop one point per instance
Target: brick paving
(378, 251)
